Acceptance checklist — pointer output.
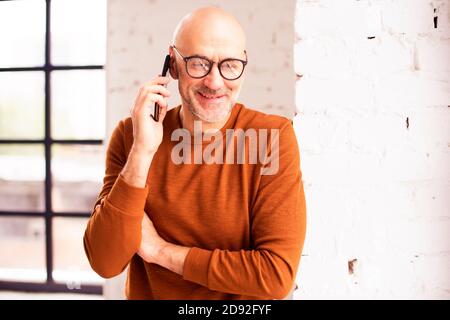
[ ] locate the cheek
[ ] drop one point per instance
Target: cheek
(234, 88)
(189, 85)
(185, 86)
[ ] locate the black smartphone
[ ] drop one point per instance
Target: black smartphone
(163, 73)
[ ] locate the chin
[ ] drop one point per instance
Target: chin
(216, 113)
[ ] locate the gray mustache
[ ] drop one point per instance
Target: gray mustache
(211, 92)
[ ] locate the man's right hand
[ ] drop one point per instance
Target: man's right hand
(148, 133)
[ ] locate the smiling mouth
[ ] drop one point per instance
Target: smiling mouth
(210, 96)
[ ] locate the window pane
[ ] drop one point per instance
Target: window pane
(22, 105)
(22, 174)
(77, 173)
(78, 104)
(22, 249)
(70, 262)
(22, 33)
(78, 31)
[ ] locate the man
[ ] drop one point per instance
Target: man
(196, 230)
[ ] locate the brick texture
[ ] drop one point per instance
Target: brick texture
(373, 124)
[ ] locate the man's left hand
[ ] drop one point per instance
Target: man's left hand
(151, 242)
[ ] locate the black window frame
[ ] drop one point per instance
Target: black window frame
(50, 285)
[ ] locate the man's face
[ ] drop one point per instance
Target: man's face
(211, 98)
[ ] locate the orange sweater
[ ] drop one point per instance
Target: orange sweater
(246, 230)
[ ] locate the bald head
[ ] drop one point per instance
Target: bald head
(209, 26)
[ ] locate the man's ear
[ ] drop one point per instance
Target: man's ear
(173, 68)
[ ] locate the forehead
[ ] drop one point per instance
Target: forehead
(212, 38)
(219, 48)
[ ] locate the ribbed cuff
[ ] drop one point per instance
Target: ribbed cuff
(196, 266)
(127, 198)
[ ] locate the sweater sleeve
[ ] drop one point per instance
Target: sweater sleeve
(113, 232)
(278, 230)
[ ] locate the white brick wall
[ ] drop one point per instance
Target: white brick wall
(377, 190)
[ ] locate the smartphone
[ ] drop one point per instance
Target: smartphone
(163, 73)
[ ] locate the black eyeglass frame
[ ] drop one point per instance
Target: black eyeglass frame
(211, 64)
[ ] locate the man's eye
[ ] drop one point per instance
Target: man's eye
(231, 65)
(199, 64)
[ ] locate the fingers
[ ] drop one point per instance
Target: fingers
(150, 93)
(153, 98)
(157, 89)
(161, 104)
(148, 96)
(163, 81)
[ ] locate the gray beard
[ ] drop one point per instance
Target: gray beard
(202, 118)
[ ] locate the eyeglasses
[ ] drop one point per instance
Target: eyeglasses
(199, 67)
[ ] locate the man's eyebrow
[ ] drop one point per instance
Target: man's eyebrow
(205, 57)
(199, 56)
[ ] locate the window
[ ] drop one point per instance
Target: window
(52, 124)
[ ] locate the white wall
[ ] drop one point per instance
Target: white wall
(378, 190)
(140, 32)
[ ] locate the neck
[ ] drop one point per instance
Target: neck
(187, 121)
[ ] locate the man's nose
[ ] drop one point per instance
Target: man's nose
(214, 80)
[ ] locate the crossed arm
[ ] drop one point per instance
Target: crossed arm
(154, 249)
